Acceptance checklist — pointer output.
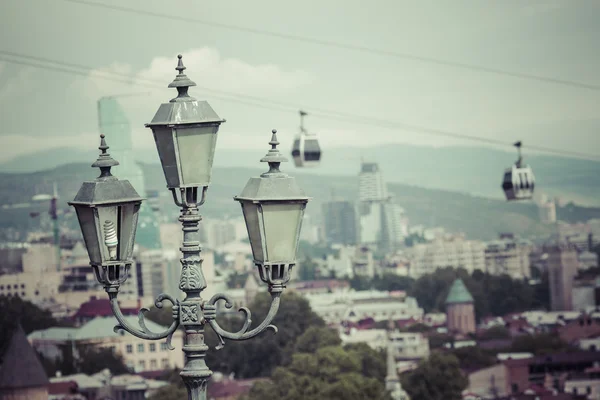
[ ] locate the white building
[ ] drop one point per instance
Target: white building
(371, 186)
(39, 281)
(341, 263)
(363, 263)
(508, 256)
(375, 338)
(216, 233)
(409, 345)
(406, 345)
(455, 252)
(103, 385)
(584, 385)
(590, 344)
(354, 306)
(381, 221)
(138, 354)
(587, 259)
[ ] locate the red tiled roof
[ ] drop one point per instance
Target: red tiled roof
(100, 308)
(66, 387)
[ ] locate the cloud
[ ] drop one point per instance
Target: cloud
(23, 144)
(205, 66)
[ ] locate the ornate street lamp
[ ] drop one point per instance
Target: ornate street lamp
(185, 132)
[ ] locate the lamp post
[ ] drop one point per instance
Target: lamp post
(185, 131)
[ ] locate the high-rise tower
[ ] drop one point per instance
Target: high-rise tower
(114, 124)
(371, 186)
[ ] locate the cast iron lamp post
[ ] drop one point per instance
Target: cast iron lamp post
(185, 131)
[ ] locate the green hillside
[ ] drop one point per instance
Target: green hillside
(478, 217)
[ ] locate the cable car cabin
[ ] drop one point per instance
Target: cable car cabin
(306, 150)
(518, 183)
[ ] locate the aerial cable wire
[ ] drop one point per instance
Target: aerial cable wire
(348, 46)
(252, 101)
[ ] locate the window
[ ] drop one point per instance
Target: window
(515, 388)
(153, 365)
(129, 348)
(163, 347)
(23, 294)
(112, 348)
(152, 347)
(1, 287)
(140, 347)
(141, 365)
(15, 286)
(164, 363)
(22, 286)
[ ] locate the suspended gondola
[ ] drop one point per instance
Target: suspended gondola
(306, 150)
(519, 181)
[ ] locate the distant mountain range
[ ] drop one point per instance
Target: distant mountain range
(472, 170)
(479, 217)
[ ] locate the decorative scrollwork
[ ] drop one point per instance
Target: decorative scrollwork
(210, 314)
(144, 332)
(191, 275)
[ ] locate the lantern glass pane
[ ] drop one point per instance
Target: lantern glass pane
(166, 151)
(251, 217)
(128, 223)
(196, 150)
(281, 224)
(87, 222)
(109, 227)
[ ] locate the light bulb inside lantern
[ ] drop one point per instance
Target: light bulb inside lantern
(110, 239)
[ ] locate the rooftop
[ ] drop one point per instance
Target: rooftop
(20, 366)
(459, 293)
(99, 327)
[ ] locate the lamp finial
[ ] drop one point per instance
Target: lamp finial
(104, 161)
(274, 157)
(181, 82)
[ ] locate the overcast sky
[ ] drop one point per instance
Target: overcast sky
(42, 108)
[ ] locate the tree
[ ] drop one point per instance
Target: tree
(260, 356)
(360, 283)
(492, 295)
(495, 332)
(92, 359)
(391, 282)
(373, 362)
(174, 391)
(474, 357)
(87, 359)
(437, 378)
(31, 317)
(540, 344)
(17, 311)
(417, 328)
(307, 270)
(330, 373)
(316, 337)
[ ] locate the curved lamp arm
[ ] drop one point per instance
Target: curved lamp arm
(210, 314)
(144, 332)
